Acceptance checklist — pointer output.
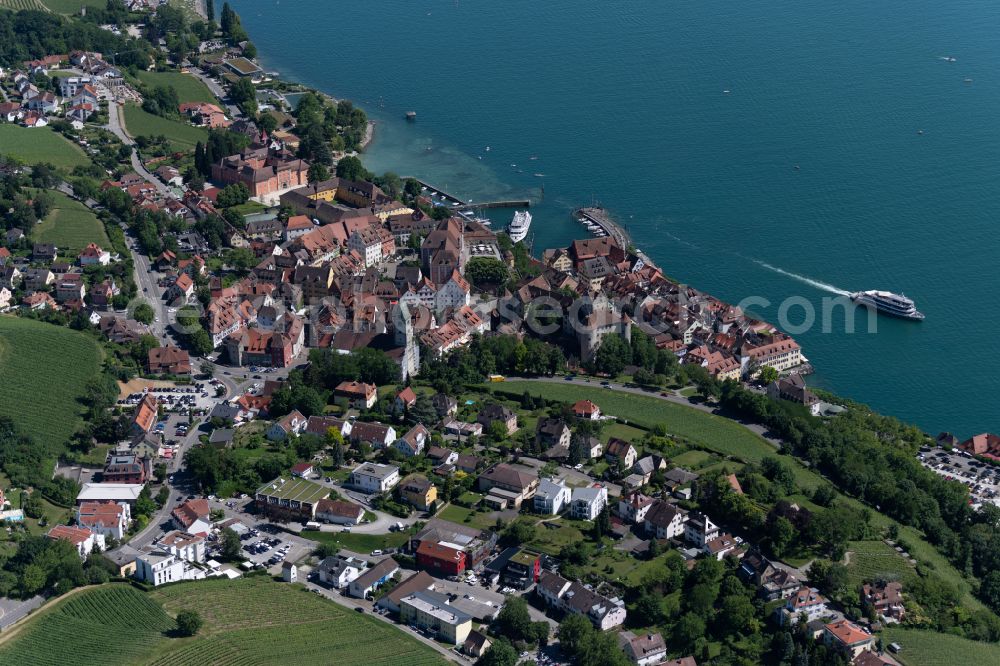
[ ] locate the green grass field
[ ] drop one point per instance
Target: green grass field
(46, 369)
(189, 88)
(929, 648)
(182, 136)
(713, 432)
(257, 620)
(70, 225)
(40, 144)
(114, 624)
(360, 543)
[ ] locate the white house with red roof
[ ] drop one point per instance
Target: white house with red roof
(108, 519)
(585, 409)
(806, 603)
(302, 469)
(93, 255)
(82, 539)
(193, 516)
(289, 425)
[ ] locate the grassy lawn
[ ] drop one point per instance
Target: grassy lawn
(361, 543)
(713, 432)
(929, 648)
(551, 541)
(251, 207)
(458, 514)
(70, 225)
(40, 144)
(253, 620)
(693, 459)
(44, 365)
(622, 431)
(182, 136)
(189, 88)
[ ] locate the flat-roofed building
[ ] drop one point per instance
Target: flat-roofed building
(433, 611)
(294, 498)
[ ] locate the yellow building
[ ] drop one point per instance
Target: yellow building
(418, 491)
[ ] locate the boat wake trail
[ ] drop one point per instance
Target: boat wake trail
(802, 278)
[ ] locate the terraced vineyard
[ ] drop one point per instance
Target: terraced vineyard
(871, 560)
(256, 620)
(18, 5)
(115, 624)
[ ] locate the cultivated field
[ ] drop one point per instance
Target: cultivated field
(182, 137)
(70, 225)
(18, 5)
(257, 620)
(114, 624)
(40, 144)
(189, 88)
(71, 6)
(45, 369)
(929, 648)
(873, 560)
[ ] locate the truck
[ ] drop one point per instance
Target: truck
(497, 378)
(312, 525)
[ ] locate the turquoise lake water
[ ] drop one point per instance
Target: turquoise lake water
(624, 103)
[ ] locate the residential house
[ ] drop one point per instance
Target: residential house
(885, 599)
(444, 405)
(441, 456)
(289, 425)
(721, 546)
(405, 399)
(417, 491)
(319, 425)
(146, 413)
(70, 287)
(476, 644)
(44, 252)
(93, 255)
(574, 597)
(302, 470)
(192, 516)
(339, 571)
(374, 477)
(109, 519)
(376, 435)
(807, 603)
(6, 297)
(184, 545)
(699, 529)
(169, 360)
(289, 572)
(416, 582)
(82, 538)
(772, 583)
(125, 468)
(633, 507)
(413, 442)
(588, 502)
(158, 566)
(585, 409)
(664, 520)
(377, 575)
(507, 486)
(644, 649)
(433, 612)
(553, 433)
(847, 638)
(39, 300)
(551, 497)
(793, 388)
(339, 512)
(495, 412)
(619, 451)
(358, 394)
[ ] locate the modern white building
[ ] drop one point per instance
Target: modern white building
(551, 497)
(339, 571)
(587, 503)
(375, 477)
(82, 539)
(157, 566)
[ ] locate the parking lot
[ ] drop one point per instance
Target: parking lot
(982, 479)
